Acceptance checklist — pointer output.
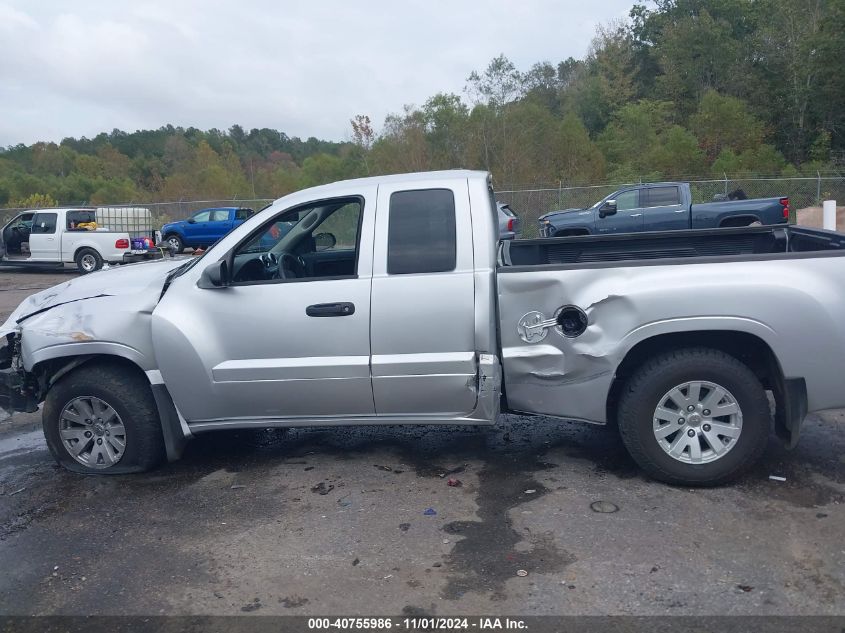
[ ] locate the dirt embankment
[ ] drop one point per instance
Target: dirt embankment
(812, 216)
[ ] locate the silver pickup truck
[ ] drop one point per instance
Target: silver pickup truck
(390, 300)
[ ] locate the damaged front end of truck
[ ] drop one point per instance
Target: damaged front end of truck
(54, 331)
(20, 390)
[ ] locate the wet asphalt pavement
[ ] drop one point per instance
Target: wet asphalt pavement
(364, 521)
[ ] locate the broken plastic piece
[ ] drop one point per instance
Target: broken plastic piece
(603, 506)
(430, 512)
(454, 483)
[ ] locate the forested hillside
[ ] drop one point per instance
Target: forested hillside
(683, 88)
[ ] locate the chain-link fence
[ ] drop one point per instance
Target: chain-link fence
(530, 204)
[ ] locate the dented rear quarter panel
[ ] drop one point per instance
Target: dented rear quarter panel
(795, 305)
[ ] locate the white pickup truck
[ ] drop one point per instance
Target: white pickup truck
(54, 237)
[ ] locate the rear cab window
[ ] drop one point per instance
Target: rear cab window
(661, 197)
(421, 232)
(85, 218)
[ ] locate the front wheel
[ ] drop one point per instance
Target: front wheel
(695, 417)
(175, 242)
(102, 419)
(88, 260)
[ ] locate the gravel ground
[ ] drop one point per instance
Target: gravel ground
(337, 521)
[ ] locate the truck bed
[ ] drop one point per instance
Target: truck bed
(725, 244)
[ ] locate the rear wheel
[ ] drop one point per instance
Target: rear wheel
(88, 260)
(694, 417)
(102, 419)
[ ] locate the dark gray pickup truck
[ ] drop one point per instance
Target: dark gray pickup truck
(664, 206)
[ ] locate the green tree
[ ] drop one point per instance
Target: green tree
(724, 122)
(580, 160)
(36, 201)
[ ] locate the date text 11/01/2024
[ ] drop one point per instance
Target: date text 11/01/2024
(417, 624)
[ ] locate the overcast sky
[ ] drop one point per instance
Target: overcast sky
(84, 67)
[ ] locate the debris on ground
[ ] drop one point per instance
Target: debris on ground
(430, 512)
(521, 573)
(404, 526)
(530, 491)
(345, 501)
(322, 488)
(454, 483)
(237, 487)
(355, 562)
(453, 471)
(18, 491)
(777, 478)
(745, 588)
(386, 469)
(603, 507)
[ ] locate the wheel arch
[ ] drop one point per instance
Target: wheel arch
(85, 247)
(750, 349)
(49, 371)
(745, 219)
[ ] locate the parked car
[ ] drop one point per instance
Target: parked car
(204, 227)
(662, 206)
(53, 237)
(510, 226)
(391, 300)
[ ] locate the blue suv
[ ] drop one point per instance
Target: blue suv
(204, 227)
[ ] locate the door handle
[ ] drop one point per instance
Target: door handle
(636, 215)
(342, 308)
(681, 211)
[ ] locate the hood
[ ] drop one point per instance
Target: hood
(146, 277)
(551, 213)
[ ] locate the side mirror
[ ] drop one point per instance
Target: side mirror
(324, 241)
(215, 276)
(191, 221)
(608, 208)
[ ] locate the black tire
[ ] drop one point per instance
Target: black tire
(129, 394)
(175, 241)
(88, 260)
(644, 390)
